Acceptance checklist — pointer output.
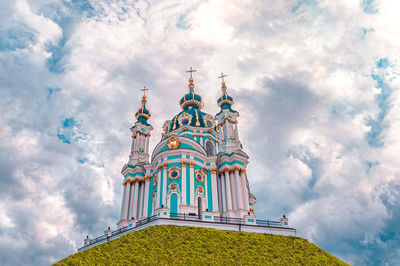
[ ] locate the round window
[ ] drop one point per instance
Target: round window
(200, 177)
(185, 121)
(174, 174)
(209, 123)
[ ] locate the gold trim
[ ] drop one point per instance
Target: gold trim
(183, 116)
(174, 168)
(201, 173)
(173, 143)
(191, 164)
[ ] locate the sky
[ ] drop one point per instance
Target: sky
(316, 84)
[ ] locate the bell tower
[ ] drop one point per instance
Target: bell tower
(141, 134)
(227, 122)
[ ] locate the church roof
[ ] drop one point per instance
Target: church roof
(143, 114)
(191, 114)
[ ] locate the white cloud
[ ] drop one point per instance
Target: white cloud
(300, 74)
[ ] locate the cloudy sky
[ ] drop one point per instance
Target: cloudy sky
(316, 84)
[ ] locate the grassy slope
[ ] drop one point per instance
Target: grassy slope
(170, 244)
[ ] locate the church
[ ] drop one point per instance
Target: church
(196, 175)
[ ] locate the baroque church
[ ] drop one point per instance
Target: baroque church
(198, 167)
(196, 175)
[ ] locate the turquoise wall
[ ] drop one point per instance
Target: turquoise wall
(209, 192)
(174, 204)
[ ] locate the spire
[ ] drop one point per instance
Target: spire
(225, 101)
(191, 99)
(143, 114)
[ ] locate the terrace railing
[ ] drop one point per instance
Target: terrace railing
(188, 217)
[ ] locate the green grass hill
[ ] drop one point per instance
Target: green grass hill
(170, 244)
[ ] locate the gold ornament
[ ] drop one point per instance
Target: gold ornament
(173, 143)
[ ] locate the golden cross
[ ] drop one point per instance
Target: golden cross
(222, 76)
(144, 90)
(191, 71)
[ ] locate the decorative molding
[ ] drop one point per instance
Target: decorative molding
(213, 170)
(147, 178)
(192, 164)
(173, 143)
(173, 169)
(184, 163)
(199, 175)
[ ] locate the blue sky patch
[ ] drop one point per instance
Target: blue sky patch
(70, 131)
(383, 101)
(182, 23)
(369, 6)
(16, 38)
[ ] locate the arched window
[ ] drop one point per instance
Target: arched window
(209, 148)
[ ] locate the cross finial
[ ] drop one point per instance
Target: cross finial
(144, 90)
(191, 71)
(222, 77)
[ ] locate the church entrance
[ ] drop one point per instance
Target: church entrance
(174, 205)
(199, 202)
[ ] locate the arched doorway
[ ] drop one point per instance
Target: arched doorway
(174, 204)
(199, 206)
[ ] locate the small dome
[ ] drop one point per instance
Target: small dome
(225, 101)
(143, 114)
(191, 100)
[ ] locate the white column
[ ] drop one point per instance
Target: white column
(158, 188)
(223, 190)
(146, 196)
(239, 202)
(125, 199)
(141, 200)
(237, 132)
(233, 190)
(228, 191)
(191, 182)
(131, 201)
(183, 188)
(147, 144)
(220, 134)
(214, 188)
(135, 200)
(165, 179)
(245, 192)
(133, 143)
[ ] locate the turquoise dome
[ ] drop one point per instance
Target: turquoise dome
(192, 117)
(143, 113)
(191, 114)
(225, 101)
(191, 99)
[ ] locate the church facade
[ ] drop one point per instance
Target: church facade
(197, 169)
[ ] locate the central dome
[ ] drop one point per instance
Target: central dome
(192, 117)
(191, 114)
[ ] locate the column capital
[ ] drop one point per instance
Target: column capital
(147, 178)
(164, 166)
(213, 170)
(159, 168)
(242, 171)
(192, 164)
(184, 163)
(236, 169)
(133, 136)
(226, 171)
(136, 180)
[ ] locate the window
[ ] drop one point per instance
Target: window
(209, 148)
